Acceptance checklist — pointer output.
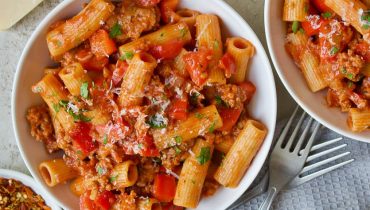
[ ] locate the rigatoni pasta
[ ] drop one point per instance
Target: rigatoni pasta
(240, 155)
(136, 108)
(359, 120)
(295, 10)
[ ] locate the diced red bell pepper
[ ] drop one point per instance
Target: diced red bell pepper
(313, 24)
(196, 63)
(168, 8)
(81, 137)
(90, 62)
(321, 6)
(363, 49)
(229, 117)
(249, 89)
(147, 3)
(179, 109)
(168, 50)
(164, 188)
(227, 63)
(119, 71)
(105, 200)
(150, 149)
(101, 44)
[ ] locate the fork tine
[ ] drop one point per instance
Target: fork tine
(312, 157)
(307, 178)
(303, 136)
(295, 132)
(321, 145)
(323, 162)
(307, 149)
(286, 129)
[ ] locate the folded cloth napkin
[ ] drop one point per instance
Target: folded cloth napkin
(345, 188)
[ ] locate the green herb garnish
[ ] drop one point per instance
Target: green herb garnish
(295, 26)
(199, 115)
(177, 150)
(157, 121)
(105, 139)
(127, 56)
(204, 156)
(334, 50)
(56, 107)
(100, 170)
(113, 179)
(326, 15)
(115, 30)
(84, 90)
(183, 32)
(178, 139)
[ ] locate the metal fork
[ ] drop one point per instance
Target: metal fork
(261, 187)
(286, 160)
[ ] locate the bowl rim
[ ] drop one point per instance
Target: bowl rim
(29, 182)
(263, 154)
(292, 92)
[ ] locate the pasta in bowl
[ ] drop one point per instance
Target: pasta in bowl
(143, 107)
(325, 64)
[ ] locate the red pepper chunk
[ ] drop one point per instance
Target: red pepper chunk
(81, 137)
(227, 63)
(168, 50)
(150, 149)
(167, 8)
(164, 188)
(249, 90)
(179, 109)
(101, 44)
(229, 118)
(105, 200)
(196, 64)
(89, 61)
(147, 3)
(119, 71)
(313, 24)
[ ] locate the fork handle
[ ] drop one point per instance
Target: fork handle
(272, 192)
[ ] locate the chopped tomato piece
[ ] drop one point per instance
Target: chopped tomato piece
(179, 109)
(89, 61)
(196, 64)
(164, 188)
(101, 44)
(105, 200)
(171, 206)
(249, 89)
(168, 8)
(119, 71)
(147, 3)
(227, 63)
(168, 50)
(321, 6)
(150, 149)
(229, 118)
(313, 24)
(86, 203)
(81, 137)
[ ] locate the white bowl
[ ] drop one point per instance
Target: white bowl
(28, 181)
(36, 56)
(313, 103)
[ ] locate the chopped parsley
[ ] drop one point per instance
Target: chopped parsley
(346, 73)
(79, 152)
(220, 102)
(140, 146)
(56, 107)
(212, 128)
(365, 19)
(199, 115)
(63, 103)
(295, 26)
(157, 121)
(178, 139)
(76, 116)
(100, 170)
(204, 156)
(127, 56)
(326, 15)
(105, 139)
(183, 32)
(84, 90)
(216, 44)
(113, 179)
(115, 30)
(349, 84)
(334, 50)
(177, 150)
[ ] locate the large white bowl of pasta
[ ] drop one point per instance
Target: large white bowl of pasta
(146, 124)
(329, 41)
